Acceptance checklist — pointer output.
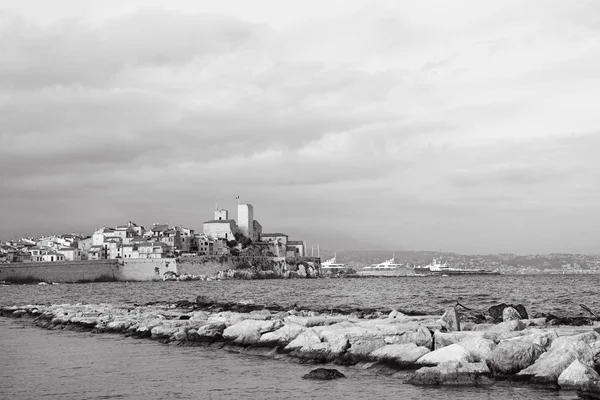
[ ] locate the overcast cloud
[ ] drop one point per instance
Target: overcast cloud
(465, 126)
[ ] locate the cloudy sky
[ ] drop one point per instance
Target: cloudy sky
(466, 126)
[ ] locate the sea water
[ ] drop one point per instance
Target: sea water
(37, 363)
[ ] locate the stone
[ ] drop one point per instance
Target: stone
(315, 320)
(453, 374)
(407, 353)
(249, 331)
(364, 347)
(512, 356)
(211, 331)
(520, 308)
(306, 338)
(508, 326)
(577, 375)
(283, 335)
(395, 314)
(510, 314)
(478, 347)
(163, 331)
(324, 374)
(559, 356)
(421, 337)
(496, 311)
(451, 319)
(443, 339)
(454, 352)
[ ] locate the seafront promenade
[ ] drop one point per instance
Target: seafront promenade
(455, 348)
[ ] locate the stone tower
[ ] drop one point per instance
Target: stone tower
(246, 219)
(221, 214)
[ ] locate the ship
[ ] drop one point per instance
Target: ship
(387, 268)
(437, 268)
(332, 266)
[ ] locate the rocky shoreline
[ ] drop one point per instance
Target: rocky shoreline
(455, 349)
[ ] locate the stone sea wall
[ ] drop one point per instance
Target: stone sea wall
(88, 271)
(62, 272)
(436, 348)
(203, 267)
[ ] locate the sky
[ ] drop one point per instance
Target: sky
(467, 126)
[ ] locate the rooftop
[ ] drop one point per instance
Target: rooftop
(220, 221)
(273, 234)
(295, 242)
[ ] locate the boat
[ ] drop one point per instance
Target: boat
(437, 268)
(387, 268)
(332, 266)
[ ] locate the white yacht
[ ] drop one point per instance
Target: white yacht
(386, 268)
(332, 265)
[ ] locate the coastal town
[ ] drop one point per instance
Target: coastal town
(221, 235)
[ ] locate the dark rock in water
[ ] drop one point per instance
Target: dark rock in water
(324, 374)
(184, 304)
(497, 310)
(204, 301)
(522, 311)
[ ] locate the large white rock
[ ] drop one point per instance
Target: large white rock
(451, 319)
(510, 314)
(577, 375)
(320, 320)
(364, 347)
(248, 331)
(478, 347)
(453, 374)
(511, 356)
(306, 338)
(163, 331)
(454, 352)
(508, 326)
(421, 337)
(283, 335)
(400, 353)
(560, 355)
(443, 339)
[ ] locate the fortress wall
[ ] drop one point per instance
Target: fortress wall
(145, 269)
(60, 272)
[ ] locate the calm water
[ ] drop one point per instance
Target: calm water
(557, 294)
(66, 365)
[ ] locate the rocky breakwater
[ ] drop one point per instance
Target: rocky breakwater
(438, 349)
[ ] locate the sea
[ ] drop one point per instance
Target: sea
(37, 363)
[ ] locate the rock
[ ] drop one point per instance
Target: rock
(315, 320)
(508, 326)
(496, 311)
(451, 319)
(249, 331)
(522, 311)
(453, 374)
(407, 353)
(324, 374)
(454, 352)
(561, 354)
(283, 335)
(442, 339)
(421, 337)
(395, 314)
(363, 347)
(478, 347)
(577, 375)
(210, 332)
(510, 314)
(204, 301)
(163, 331)
(511, 356)
(306, 338)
